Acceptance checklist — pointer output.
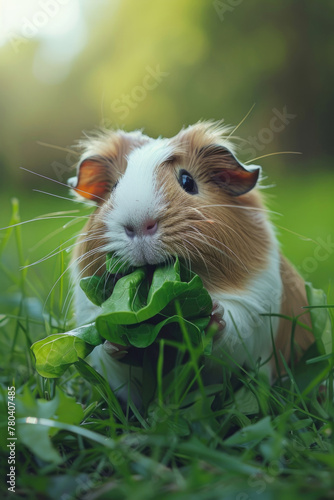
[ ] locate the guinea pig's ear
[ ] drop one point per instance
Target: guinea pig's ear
(228, 172)
(94, 179)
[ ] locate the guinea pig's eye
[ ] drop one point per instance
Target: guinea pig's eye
(114, 186)
(187, 182)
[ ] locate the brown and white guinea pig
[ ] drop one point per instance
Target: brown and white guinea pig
(189, 196)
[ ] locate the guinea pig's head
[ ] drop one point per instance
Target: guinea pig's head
(187, 196)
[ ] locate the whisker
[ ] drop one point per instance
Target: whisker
(74, 200)
(82, 257)
(53, 146)
(46, 218)
(81, 273)
(61, 212)
(242, 121)
(69, 296)
(199, 253)
(53, 253)
(221, 251)
(224, 225)
(57, 231)
(71, 223)
(102, 106)
(75, 261)
(86, 255)
(244, 208)
(273, 154)
(61, 183)
(46, 238)
(187, 258)
(168, 258)
(214, 265)
(305, 238)
(110, 273)
(200, 213)
(135, 295)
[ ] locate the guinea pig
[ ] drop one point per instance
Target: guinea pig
(189, 196)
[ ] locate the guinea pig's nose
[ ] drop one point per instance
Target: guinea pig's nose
(149, 227)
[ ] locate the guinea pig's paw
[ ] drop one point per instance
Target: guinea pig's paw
(115, 351)
(217, 316)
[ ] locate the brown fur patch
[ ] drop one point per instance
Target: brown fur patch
(225, 237)
(95, 179)
(90, 259)
(105, 159)
(294, 298)
(110, 149)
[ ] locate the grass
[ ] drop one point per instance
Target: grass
(241, 439)
(305, 205)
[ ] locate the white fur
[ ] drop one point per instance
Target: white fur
(137, 199)
(85, 310)
(246, 336)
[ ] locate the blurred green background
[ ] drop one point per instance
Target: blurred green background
(69, 66)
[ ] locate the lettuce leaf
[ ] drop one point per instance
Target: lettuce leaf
(137, 305)
(57, 352)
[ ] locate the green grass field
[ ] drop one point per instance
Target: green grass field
(241, 439)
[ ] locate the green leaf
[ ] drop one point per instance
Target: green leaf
(255, 432)
(99, 288)
(96, 288)
(37, 437)
(69, 411)
(134, 301)
(114, 265)
(144, 334)
(126, 299)
(140, 307)
(245, 401)
(57, 352)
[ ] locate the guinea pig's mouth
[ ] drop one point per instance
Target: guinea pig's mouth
(143, 255)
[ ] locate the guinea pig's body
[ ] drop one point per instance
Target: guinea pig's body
(189, 196)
